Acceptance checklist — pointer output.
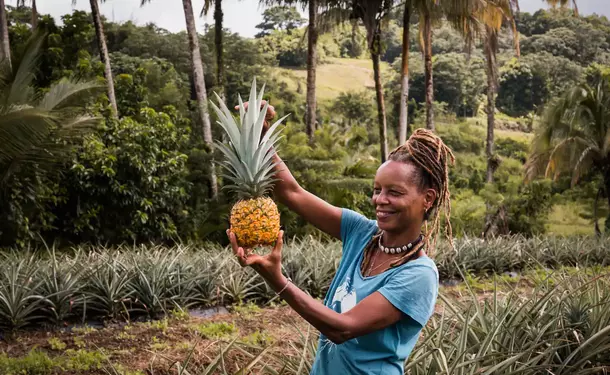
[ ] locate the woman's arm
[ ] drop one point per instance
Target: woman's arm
(313, 209)
(371, 314)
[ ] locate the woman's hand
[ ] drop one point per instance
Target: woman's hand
(268, 266)
(270, 115)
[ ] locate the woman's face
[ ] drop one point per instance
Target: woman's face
(398, 200)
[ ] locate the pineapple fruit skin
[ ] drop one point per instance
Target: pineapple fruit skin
(255, 222)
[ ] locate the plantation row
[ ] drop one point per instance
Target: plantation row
(51, 287)
(561, 328)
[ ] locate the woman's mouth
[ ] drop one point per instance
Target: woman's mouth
(384, 215)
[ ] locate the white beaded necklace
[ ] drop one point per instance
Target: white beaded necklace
(399, 249)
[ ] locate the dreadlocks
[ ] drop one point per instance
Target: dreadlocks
(429, 153)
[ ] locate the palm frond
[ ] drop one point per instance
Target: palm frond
(574, 134)
(66, 92)
(36, 133)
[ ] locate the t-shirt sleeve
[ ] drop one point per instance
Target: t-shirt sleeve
(353, 222)
(414, 292)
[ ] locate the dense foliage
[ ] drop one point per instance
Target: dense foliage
(143, 177)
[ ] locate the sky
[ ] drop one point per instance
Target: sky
(241, 16)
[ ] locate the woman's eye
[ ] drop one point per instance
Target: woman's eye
(395, 193)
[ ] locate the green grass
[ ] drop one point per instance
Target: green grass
(340, 75)
(567, 220)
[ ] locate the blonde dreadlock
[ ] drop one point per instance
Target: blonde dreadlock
(428, 151)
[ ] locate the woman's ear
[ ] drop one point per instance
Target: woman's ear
(430, 198)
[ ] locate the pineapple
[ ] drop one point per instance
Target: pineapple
(249, 167)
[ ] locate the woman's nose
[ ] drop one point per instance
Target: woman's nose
(381, 198)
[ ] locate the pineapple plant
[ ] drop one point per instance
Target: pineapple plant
(249, 167)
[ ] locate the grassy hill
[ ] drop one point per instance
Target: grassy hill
(332, 78)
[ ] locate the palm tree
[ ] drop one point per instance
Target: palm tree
(492, 14)
(372, 13)
(21, 3)
(199, 86)
(563, 4)
(218, 20)
(31, 120)
(574, 136)
(5, 47)
(198, 82)
(312, 59)
(315, 24)
(101, 43)
(404, 82)
(426, 11)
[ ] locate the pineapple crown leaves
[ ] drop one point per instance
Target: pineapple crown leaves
(249, 157)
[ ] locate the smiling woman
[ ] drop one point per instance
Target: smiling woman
(386, 285)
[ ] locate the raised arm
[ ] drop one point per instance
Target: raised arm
(315, 210)
(287, 190)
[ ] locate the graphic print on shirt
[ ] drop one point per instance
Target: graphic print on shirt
(345, 297)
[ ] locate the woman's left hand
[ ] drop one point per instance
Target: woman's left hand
(268, 266)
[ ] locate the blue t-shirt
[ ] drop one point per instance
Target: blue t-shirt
(411, 287)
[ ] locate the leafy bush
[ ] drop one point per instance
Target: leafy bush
(128, 182)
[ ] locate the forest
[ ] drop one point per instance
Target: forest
(113, 209)
(143, 174)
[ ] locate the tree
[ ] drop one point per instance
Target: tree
(312, 59)
(575, 137)
(5, 47)
(103, 49)
(372, 13)
(21, 3)
(282, 17)
(425, 22)
(563, 4)
(492, 16)
(404, 72)
(199, 86)
(218, 20)
(459, 14)
(521, 88)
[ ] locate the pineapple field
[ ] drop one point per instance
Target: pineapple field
(512, 305)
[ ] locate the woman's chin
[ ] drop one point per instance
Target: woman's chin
(386, 226)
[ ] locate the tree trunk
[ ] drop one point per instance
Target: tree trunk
(199, 85)
(428, 71)
(218, 20)
(383, 141)
(34, 15)
(5, 50)
(403, 119)
(490, 57)
(312, 57)
(101, 41)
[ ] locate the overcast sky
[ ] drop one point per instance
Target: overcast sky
(240, 16)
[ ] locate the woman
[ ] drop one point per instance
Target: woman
(386, 286)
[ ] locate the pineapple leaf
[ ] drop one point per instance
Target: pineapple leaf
(228, 124)
(272, 128)
(240, 167)
(251, 113)
(260, 95)
(242, 110)
(269, 152)
(263, 173)
(265, 145)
